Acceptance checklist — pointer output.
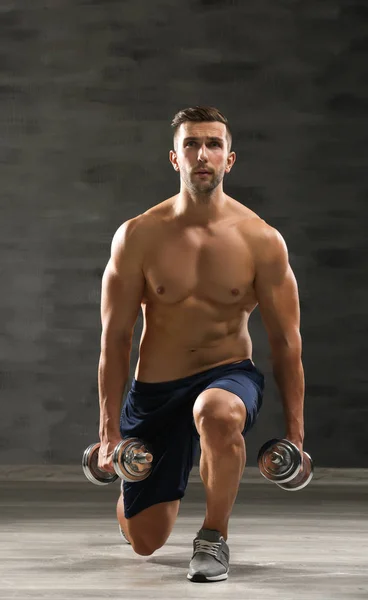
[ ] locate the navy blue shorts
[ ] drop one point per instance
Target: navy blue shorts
(161, 414)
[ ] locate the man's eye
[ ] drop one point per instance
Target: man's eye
(193, 143)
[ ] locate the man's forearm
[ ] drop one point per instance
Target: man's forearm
(113, 374)
(289, 376)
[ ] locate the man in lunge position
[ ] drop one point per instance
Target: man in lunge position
(198, 264)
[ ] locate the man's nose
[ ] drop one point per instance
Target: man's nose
(202, 153)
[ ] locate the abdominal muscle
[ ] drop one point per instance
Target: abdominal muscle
(170, 352)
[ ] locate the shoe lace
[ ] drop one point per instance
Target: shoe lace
(207, 547)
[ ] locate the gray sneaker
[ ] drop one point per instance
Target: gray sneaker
(210, 560)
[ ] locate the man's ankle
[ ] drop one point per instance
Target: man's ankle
(213, 527)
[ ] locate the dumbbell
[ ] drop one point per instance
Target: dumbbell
(132, 461)
(280, 461)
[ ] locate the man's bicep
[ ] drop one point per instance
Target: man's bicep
(122, 286)
(277, 293)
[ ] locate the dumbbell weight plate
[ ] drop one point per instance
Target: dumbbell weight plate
(286, 468)
(91, 469)
(124, 461)
(302, 478)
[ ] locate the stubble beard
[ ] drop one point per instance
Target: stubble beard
(203, 189)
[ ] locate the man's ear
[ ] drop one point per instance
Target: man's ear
(230, 161)
(174, 160)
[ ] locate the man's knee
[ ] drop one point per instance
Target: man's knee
(144, 546)
(149, 530)
(219, 411)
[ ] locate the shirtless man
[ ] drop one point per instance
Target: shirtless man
(198, 264)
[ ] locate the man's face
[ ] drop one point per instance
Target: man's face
(202, 155)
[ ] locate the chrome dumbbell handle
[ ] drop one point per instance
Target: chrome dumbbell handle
(142, 458)
(132, 460)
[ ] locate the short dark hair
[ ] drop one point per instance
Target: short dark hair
(201, 114)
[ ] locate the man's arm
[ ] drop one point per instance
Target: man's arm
(122, 291)
(277, 294)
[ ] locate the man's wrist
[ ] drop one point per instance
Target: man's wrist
(107, 435)
(295, 435)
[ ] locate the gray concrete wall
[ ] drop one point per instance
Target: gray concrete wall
(87, 92)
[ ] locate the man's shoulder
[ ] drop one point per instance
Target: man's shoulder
(144, 222)
(263, 238)
(244, 215)
(138, 231)
(266, 241)
(152, 218)
(249, 222)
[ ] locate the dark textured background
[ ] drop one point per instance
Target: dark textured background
(87, 92)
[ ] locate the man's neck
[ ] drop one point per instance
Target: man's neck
(200, 209)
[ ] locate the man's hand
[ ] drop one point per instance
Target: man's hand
(105, 453)
(297, 441)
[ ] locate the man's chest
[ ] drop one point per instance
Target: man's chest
(216, 267)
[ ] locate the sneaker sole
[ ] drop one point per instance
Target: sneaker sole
(201, 578)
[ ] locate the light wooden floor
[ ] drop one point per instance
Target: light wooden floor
(60, 541)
